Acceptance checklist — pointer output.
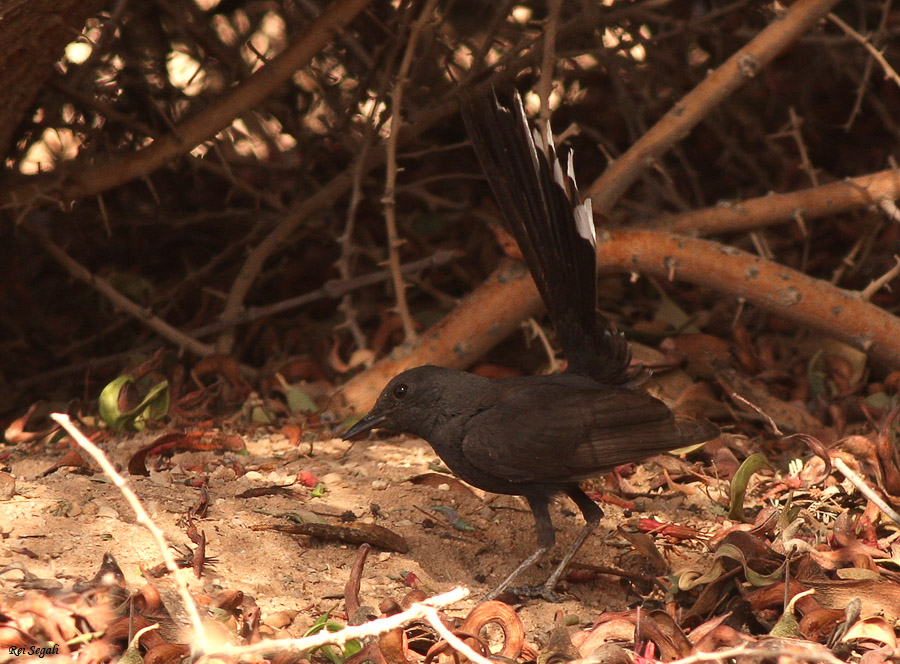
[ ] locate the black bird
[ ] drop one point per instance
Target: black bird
(536, 436)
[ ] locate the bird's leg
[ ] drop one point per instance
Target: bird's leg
(592, 515)
(545, 539)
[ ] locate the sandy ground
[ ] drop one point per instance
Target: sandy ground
(59, 527)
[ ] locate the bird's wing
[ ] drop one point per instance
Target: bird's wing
(554, 230)
(553, 433)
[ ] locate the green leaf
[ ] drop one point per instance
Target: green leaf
(260, 415)
(739, 484)
(453, 517)
(153, 406)
(352, 647)
(109, 400)
(299, 401)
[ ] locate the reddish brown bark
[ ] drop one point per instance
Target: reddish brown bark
(493, 310)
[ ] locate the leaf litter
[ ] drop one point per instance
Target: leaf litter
(722, 549)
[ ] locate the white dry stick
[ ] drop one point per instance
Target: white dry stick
(199, 640)
(865, 489)
(425, 610)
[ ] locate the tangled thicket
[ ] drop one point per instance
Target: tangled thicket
(118, 167)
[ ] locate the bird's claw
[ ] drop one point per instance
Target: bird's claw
(543, 592)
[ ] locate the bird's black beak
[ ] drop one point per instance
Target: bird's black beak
(370, 421)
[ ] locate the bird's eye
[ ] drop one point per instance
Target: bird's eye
(401, 390)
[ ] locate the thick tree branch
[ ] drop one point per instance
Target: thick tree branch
(811, 302)
(834, 198)
(494, 309)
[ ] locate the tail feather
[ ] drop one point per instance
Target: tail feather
(554, 230)
(693, 432)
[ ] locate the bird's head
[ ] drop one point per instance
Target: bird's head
(416, 401)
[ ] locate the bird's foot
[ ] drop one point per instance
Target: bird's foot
(544, 592)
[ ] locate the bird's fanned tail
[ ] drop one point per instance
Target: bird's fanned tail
(554, 230)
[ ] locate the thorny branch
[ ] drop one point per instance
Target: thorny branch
(389, 201)
(693, 107)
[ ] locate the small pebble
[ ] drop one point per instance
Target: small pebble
(105, 511)
(7, 486)
(160, 479)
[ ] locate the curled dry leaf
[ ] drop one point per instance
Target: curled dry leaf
(443, 652)
(394, 647)
(817, 624)
(223, 365)
(613, 629)
(15, 433)
(167, 653)
(172, 442)
(502, 615)
(666, 633)
(723, 636)
(148, 600)
(293, 433)
(372, 652)
(71, 459)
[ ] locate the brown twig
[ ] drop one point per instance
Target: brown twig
(119, 301)
(346, 237)
(693, 107)
(867, 71)
(389, 201)
(333, 288)
(889, 72)
(336, 188)
(877, 284)
(548, 59)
